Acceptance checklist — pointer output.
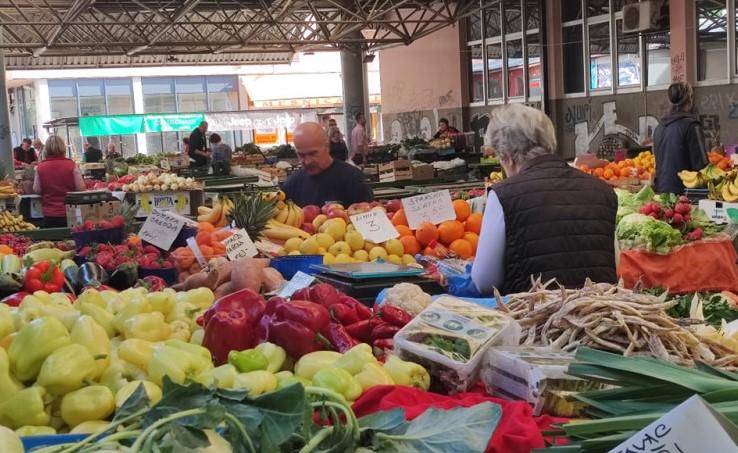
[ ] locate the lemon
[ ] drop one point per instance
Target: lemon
(355, 240)
(292, 244)
(377, 253)
(394, 247)
(294, 253)
(361, 255)
(336, 229)
(329, 259)
(309, 246)
(408, 259)
(394, 259)
(368, 246)
(322, 251)
(343, 258)
(324, 240)
(340, 248)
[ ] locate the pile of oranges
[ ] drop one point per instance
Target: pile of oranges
(719, 159)
(641, 167)
(460, 236)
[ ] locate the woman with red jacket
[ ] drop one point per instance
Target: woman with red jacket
(55, 176)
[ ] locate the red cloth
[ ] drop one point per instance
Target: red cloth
(517, 431)
(57, 178)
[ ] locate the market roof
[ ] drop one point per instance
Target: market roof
(74, 33)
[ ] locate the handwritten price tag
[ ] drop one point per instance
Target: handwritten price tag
(374, 226)
(434, 207)
(161, 228)
(299, 281)
(239, 245)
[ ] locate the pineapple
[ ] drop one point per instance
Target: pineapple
(252, 212)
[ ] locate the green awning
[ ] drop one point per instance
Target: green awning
(91, 126)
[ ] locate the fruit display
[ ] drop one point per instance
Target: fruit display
(495, 177)
(117, 221)
(641, 167)
(8, 189)
(718, 158)
(160, 183)
(440, 143)
(13, 223)
(218, 214)
(131, 252)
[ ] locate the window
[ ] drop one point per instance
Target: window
(492, 19)
(494, 71)
(191, 95)
(158, 94)
(119, 93)
(515, 72)
(712, 39)
(600, 59)
(513, 16)
(477, 71)
(629, 57)
(571, 10)
(63, 99)
(534, 66)
(222, 93)
(91, 97)
(598, 7)
(474, 27)
(658, 58)
(573, 56)
(532, 14)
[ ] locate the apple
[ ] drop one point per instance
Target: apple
(309, 228)
(358, 208)
(337, 213)
(378, 208)
(328, 206)
(393, 205)
(310, 212)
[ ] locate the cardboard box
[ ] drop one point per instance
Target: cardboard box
(399, 170)
(423, 172)
(717, 210)
(175, 162)
(178, 202)
(102, 210)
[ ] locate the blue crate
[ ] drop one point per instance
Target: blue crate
(288, 266)
(36, 442)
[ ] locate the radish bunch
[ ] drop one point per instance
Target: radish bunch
(677, 216)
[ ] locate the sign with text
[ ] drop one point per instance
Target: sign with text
(161, 228)
(434, 207)
(299, 281)
(192, 244)
(239, 245)
(374, 226)
(691, 427)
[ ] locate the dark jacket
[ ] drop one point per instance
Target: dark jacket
(340, 182)
(197, 142)
(559, 223)
(27, 157)
(93, 155)
(339, 150)
(678, 144)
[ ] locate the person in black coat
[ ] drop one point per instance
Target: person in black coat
(339, 150)
(678, 142)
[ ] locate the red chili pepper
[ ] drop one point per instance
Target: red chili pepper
(294, 325)
(230, 323)
(361, 330)
(384, 330)
(393, 315)
(362, 311)
(339, 337)
(343, 313)
(15, 299)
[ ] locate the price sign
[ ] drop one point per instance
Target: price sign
(239, 245)
(299, 281)
(434, 207)
(374, 226)
(165, 165)
(161, 228)
(192, 244)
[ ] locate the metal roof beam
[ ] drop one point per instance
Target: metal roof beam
(186, 7)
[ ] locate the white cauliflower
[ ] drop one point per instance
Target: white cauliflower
(408, 297)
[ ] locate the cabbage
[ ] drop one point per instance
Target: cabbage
(641, 231)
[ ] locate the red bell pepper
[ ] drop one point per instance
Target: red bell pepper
(361, 330)
(338, 337)
(44, 276)
(152, 283)
(343, 314)
(362, 311)
(15, 299)
(393, 315)
(230, 323)
(294, 325)
(383, 330)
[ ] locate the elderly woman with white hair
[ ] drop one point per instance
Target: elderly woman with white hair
(547, 219)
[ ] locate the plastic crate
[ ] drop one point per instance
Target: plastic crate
(169, 274)
(288, 266)
(113, 236)
(31, 443)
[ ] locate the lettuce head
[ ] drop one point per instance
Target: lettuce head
(638, 231)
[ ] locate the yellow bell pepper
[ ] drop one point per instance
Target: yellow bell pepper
(354, 359)
(29, 431)
(171, 359)
(223, 377)
(125, 310)
(10, 441)
(202, 297)
(197, 336)
(41, 304)
(311, 363)
(7, 324)
(120, 373)
(95, 402)
(66, 369)
(24, 408)
(180, 330)
(407, 373)
(136, 351)
(153, 392)
(100, 314)
(90, 427)
(146, 326)
(256, 382)
(87, 332)
(8, 387)
(162, 301)
(372, 374)
(287, 378)
(276, 355)
(91, 296)
(36, 341)
(338, 380)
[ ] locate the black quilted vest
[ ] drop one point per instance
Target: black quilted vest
(559, 223)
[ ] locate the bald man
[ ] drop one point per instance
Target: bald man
(322, 178)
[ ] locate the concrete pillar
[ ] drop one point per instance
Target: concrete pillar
(683, 52)
(138, 107)
(43, 107)
(6, 145)
(352, 69)
(554, 51)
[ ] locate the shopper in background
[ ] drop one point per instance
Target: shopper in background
(111, 152)
(186, 146)
(38, 145)
(679, 142)
(25, 153)
(444, 129)
(321, 177)
(92, 155)
(359, 140)
(198, 148)
(546, 220)
(221, 154)
(55, 177)
(339, 150)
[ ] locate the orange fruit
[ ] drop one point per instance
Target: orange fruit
(430, 252)
(449, 231)
(474, 223)
(462, 248)
(404, 230)
(399, 218)
(625, 172)
(205, 226)
(204, 238)
(584, 168)
(462, 210)
(411, 245)
(599, 172)
(206, 251)
(473, 239)
(219, 249)
(426, 233)
(608, 174)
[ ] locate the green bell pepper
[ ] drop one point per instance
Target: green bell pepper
(95, 402)
(36, 341)
(67, 369)
(248, 360)
(24, 408)
(177, 363)
(276, 355)
(355, 358)
(338, 380)
(287, 378)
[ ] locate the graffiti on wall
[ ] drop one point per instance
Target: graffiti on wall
(711, 129)
(576, 113)
(417, 124)
(678, 67)
(612, 130)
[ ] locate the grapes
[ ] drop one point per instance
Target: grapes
(18, 243)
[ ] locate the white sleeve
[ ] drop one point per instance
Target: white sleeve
(488, 270)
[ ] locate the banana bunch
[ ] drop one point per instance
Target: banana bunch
(692, 179)
(289, 213)
(279, 232)
(218, 214)
(7, 190)
(496, 176)
(729, 192)
(271, 196)
(10, 222)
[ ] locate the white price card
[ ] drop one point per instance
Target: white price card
(691, 427)
(192, 244)
(164, 164)
(374, 226)
(161, 228)
(239, 245)
(434, 207)
(299, 281)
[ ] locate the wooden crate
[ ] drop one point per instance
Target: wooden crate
(399, 170)
(423, 172)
